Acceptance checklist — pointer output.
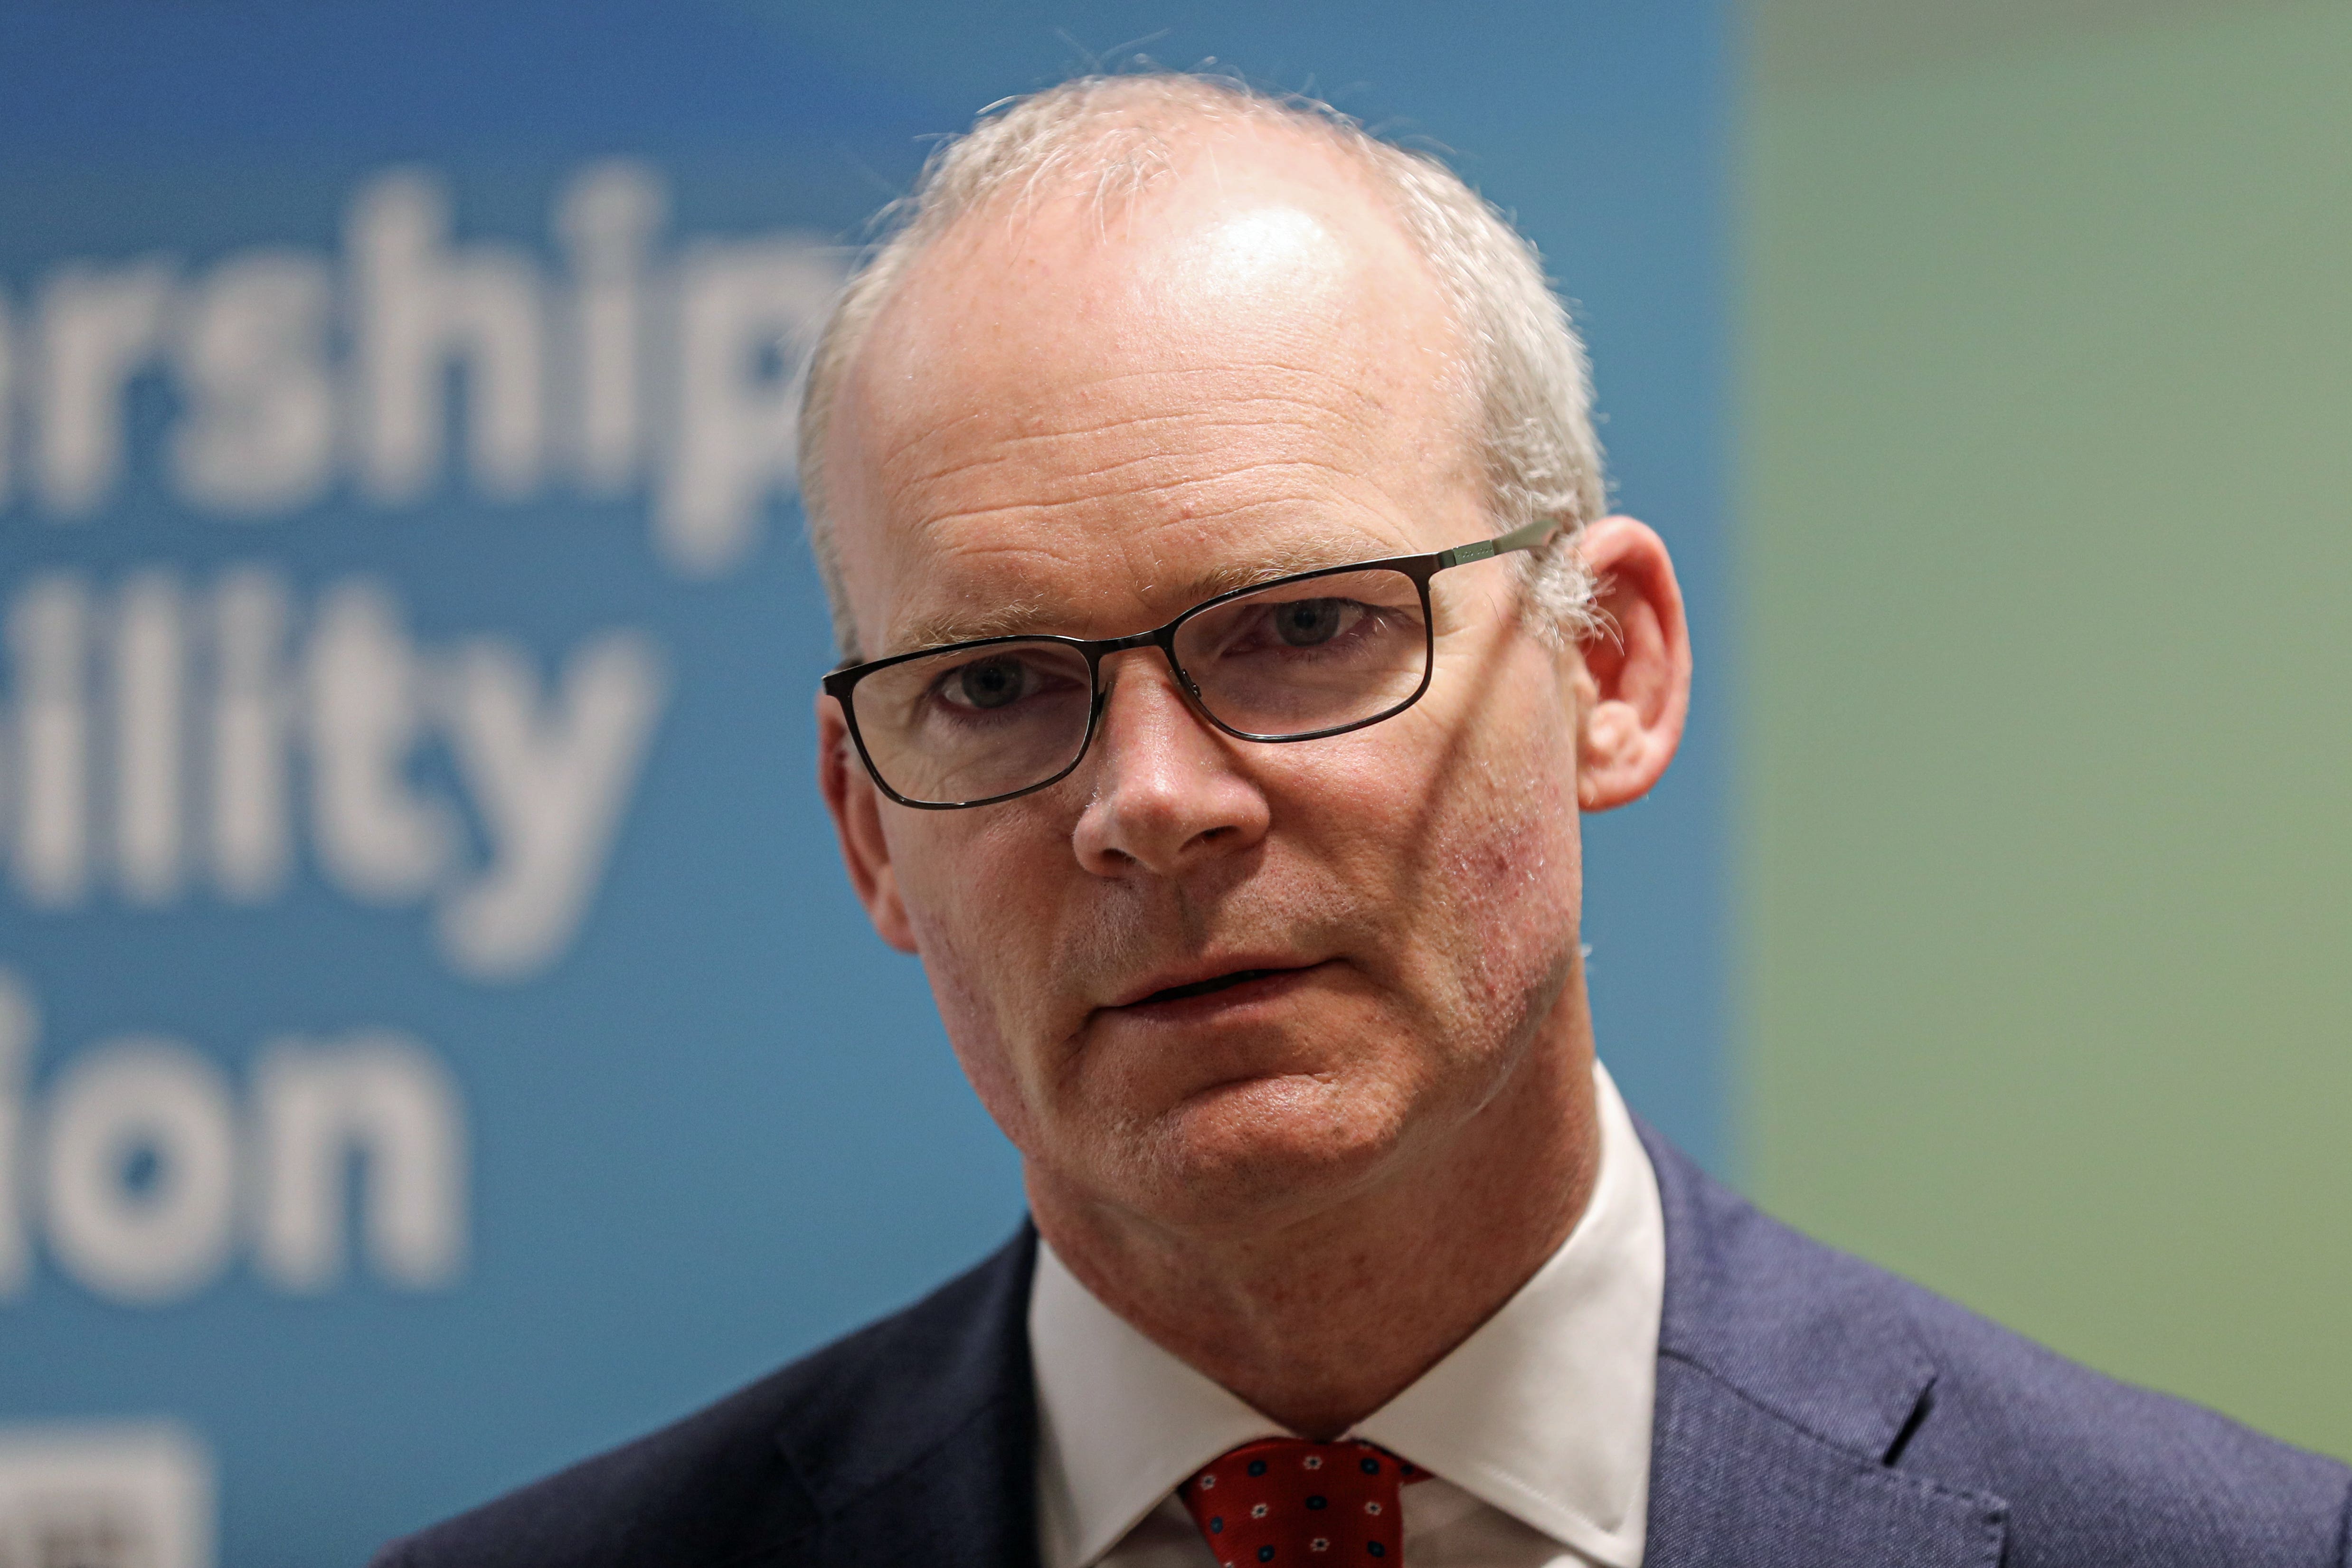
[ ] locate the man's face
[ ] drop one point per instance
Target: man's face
(1083, 421)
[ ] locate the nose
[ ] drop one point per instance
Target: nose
(1168, 795)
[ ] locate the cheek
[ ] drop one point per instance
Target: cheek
(976, 884)
(1499, 918)
(980, 1040)
(980, 901)
(1519, 897)
(1473, 849)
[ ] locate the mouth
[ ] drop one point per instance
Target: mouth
(1206, 987)
(1233, 986)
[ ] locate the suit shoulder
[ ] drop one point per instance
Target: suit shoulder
(2092, 1470)
(722, 1484)
(2092, 1465)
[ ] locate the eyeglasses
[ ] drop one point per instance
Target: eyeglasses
(1317, 654)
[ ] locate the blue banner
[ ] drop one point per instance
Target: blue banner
(436, 1038)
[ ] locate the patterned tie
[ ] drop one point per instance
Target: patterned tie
(1297, 1504)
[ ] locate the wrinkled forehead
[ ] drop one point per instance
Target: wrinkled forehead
(1078, 410)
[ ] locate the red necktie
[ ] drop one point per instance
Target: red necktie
(1296, 1504)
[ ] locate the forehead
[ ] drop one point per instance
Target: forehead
(1081, 418)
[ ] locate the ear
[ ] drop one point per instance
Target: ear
(1636, 688)
(857, 807)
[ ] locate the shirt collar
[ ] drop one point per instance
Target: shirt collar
(1544, 1412)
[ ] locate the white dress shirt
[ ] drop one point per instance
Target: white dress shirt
(1535, 1430)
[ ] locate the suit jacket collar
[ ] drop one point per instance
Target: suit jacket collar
(1789, 1381)
(917, 1443)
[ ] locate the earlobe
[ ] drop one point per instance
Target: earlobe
(856, 810)
(1635, 693)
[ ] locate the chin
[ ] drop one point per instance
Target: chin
(1238, 1151)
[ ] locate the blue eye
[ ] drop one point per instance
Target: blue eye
(989, 683)
(1303, 623)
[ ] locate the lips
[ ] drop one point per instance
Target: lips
(1202, 988)
(1206, 981)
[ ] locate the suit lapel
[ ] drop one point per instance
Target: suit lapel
(922, 1451)
(1737, 1485)
(969, 1503)
(1788, 1380)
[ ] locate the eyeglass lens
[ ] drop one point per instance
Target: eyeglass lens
(1292, 659)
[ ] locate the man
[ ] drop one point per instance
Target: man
(1233, 640)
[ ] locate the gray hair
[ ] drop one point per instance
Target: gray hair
(1537, 444)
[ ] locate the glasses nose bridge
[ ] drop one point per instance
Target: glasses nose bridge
(1164, 640)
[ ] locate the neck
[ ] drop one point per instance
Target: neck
(1318, 1320)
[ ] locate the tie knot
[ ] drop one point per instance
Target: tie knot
(1296, 1504)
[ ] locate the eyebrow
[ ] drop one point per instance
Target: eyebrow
(1035, 617)
(970, 626)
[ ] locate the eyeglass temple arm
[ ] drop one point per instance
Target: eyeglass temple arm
(1526, 538)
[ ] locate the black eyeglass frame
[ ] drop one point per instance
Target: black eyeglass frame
(838, 684)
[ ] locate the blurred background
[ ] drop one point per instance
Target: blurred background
(435, 1038)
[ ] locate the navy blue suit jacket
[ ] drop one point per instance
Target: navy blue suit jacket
(1812, 1412)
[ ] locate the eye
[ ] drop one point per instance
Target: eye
(986, 683)
(1303, 622)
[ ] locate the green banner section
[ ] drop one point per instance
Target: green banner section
(2048, 554)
